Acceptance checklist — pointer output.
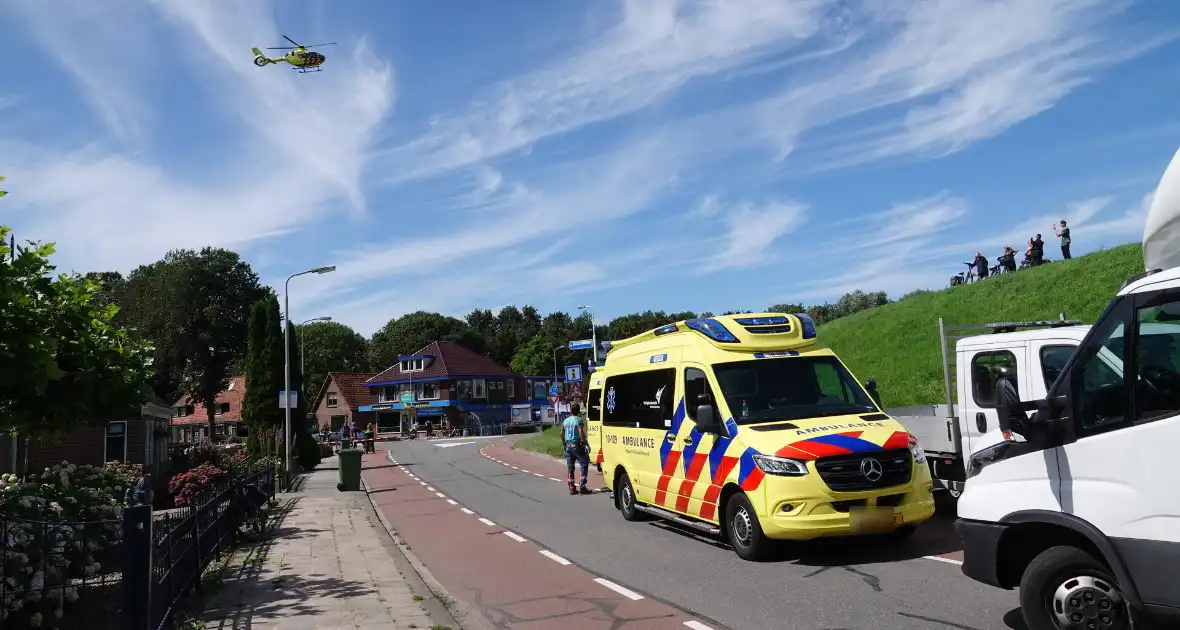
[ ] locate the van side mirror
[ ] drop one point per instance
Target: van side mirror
(706, 420)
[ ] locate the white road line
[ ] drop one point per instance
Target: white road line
(946, 560)
(523, 470)
(696, 625)
(554, 479)
(486, 522)
(422, 482)
(430, 489)
(514, 468)
(516, 537)
(625, 592)
(440, 495)
(556, 558)
(467, 511)
(452, 502)
(538, 475)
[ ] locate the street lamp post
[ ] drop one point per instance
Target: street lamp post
(302, 359)
(555, 361)
(287, 367)
(593, 334)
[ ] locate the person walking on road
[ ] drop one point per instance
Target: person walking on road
(576, 448)
(1063, 234)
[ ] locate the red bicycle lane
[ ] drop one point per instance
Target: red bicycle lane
(508, 580)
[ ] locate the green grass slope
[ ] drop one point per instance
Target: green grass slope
(897, 344)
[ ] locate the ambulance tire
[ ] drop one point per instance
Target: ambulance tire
(743, 531)
(625, 494)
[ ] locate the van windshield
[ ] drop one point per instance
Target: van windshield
(790, 389)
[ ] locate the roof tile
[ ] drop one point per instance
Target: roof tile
(450, 359)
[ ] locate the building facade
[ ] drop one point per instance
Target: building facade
(340, 399)
(190, 423)
(453, 387)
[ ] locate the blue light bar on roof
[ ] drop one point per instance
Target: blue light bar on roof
(762, 321)
(712, 329)
(808, 325)
(664, 330)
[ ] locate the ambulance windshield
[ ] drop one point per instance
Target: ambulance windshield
(790, 389)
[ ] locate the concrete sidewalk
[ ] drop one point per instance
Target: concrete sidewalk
(330, 565)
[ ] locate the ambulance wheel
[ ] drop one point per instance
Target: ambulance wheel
(1065, 588)
(625, 494)
(743, 530)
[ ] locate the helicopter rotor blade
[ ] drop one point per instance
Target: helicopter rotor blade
(318, 45)
(297, 45)
(281, 48)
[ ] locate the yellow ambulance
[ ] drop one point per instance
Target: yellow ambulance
(745, 426)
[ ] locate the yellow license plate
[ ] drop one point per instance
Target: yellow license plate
(871, 520)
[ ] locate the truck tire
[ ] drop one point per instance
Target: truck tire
(1065, 588)
(625, 496)
(743, 531)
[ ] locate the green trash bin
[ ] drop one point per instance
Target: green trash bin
(350, 470)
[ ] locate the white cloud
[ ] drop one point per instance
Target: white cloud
(306, 141)
(752, 229)
(656, 48)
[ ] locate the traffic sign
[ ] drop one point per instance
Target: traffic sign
(573, 373)
(554, 399)
(292, 400)
(582, 344)
(575, 390)
(554, 390)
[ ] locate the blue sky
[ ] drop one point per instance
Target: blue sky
(644, 154)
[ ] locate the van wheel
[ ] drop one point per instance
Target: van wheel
(743, 530)
(626, 498)
(1065, 588)
(905, 531)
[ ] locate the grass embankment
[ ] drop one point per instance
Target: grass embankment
(897, 344)
(547, 441)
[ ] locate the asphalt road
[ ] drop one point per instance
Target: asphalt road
(826, 585)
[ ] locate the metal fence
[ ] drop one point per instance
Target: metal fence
(131, 573)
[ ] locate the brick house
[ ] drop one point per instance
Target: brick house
(136, 439)
(340, 399)
(190, 424)
(451, 386)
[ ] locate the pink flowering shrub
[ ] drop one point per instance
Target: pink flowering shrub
(196, 485)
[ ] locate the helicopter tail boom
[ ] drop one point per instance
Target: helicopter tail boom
(259, 57)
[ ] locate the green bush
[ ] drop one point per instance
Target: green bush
(307, 450)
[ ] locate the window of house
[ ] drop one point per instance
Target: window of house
(511, 386)
(412, 365)
(464, 389)
(116, 442)
(331, 399)
(479, 388)
(428, 391)
(642, 400)
(986, 369)
(221, 408)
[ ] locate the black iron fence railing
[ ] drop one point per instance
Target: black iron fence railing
(129, 573)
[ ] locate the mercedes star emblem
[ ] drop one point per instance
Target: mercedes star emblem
(871, 469)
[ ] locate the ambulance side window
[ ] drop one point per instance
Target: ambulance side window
(696, 392)
(594, 405)
(642, 400)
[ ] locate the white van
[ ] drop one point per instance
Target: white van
(1080, 509)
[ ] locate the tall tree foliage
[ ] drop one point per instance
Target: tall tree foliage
(331, 347)
(195, 307)
(263, 370)
(64, 362)
(409, 333)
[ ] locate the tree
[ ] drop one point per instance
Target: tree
(786, 308)
(195, 307)
(409, 333)
(330, 347)
(263, 370)
(66, 362)
(111, 286)
(535, 357)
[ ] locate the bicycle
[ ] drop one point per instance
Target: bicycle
(250, 505)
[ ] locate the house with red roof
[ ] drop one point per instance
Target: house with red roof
(340, 399)
(190, 422)
(451, 386)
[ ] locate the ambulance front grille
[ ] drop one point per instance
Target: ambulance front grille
(847, 473)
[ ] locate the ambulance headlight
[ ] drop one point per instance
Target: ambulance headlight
(781, 466)
(916, 451)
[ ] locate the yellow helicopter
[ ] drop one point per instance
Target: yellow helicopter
(300, 57)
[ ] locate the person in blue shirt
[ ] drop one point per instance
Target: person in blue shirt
(576, 447)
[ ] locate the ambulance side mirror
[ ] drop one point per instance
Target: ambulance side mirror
(706, 419)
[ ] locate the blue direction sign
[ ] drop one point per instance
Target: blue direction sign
(554, 390)
(582, 344)
(573, 374)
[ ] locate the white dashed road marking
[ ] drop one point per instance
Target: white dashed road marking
(946, 560)
(556, 558)
(486, 522)
(625, 592)
(440, 495)
(554, 479)
(516, 537)
(452, 502)
(696, 625)
(467, 511)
